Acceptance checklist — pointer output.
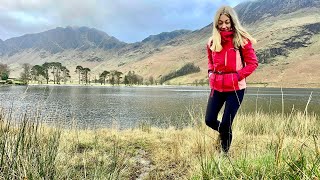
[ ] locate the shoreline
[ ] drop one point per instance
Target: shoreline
(249, 85)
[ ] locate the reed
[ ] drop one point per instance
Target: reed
(30, 149)
(25, 152)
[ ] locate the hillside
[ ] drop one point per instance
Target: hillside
(287, 46)
(255, 11)
(287, 49)
(288, 34)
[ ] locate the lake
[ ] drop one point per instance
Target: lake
(126, 107)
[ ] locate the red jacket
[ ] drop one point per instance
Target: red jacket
(228, 73)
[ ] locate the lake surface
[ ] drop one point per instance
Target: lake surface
(125, 107)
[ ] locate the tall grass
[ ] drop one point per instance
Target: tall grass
(25, 152)
(265, 146)
(268, 146)
(32, 150)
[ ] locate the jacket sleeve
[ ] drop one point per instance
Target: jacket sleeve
(250, 60)
(210, 61)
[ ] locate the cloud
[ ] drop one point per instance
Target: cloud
(127, 20)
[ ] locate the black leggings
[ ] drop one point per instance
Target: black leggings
(232, 101)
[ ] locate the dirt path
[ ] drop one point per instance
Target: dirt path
(143, 163)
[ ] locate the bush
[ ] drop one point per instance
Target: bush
(4, 76)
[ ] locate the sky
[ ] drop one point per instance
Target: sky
(127, 20)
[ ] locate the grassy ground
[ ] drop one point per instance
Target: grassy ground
(265, 146)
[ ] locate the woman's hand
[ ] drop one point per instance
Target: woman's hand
(210, 74)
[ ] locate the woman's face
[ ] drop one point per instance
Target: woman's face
(224, 23)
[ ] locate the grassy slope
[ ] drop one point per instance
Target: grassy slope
(299, 69)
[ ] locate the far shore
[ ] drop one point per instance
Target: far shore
(250, 85)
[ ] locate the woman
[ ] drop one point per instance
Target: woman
(231, 59)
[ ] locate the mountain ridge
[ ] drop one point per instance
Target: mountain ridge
(252, 11)
(279, 38)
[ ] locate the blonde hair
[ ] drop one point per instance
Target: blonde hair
(240, 34)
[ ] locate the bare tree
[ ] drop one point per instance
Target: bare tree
(26, 73)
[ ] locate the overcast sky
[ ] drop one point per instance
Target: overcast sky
(127, 20)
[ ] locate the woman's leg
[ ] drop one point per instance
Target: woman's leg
(233, 102)
(215, 104)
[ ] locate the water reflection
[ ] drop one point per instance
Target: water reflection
(125, 107)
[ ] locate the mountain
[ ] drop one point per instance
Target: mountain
(287, 47)
(74, 46)
(61, 39)
(255, 11)
(164, 36)
(287, 32)
(151, 45)
(3, 47)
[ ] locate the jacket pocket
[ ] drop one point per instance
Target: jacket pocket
(230, 81)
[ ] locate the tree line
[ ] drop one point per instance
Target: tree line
(57, 73)
(54, 71)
